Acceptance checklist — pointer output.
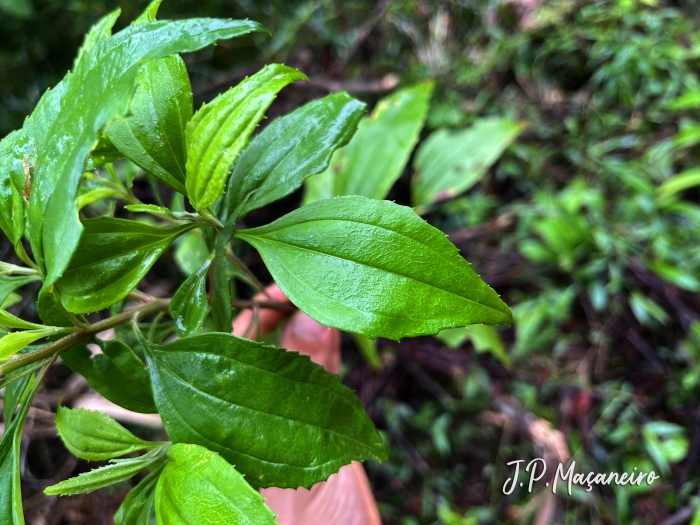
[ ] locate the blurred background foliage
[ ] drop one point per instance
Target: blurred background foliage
(588, 225)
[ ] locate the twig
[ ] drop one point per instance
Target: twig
(53, 350)
(140, 296)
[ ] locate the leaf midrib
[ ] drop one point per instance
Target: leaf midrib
(271, 240)
(286, 418)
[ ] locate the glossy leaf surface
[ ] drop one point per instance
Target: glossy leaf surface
(374, 268)
(10, 489)
(95, 436)
(189, 306)
(288, 151)
(198, 487)
(281, 419)
(68, 119)
(220, 130)
(137, 507)
(14, 158)
(153, 135)
(379, 151)
(449, 163)
(117, 373)
(111, 259)
(115, 472)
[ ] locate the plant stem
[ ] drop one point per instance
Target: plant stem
(211, 218)
(54, 349)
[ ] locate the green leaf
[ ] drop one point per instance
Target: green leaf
(644, 307)
(15, 149)
(10, 321)
(117, 373)
(676, 275)
(101, 30)
(22, 372)
(13, 395)
(220, 130)
(10, 283)
(198, 487)
(67, 122)
(153, 136)
(319, 187)
(116, 471)
(449, 163)
(111, 259)
(49, 308)
(255, 404)
(379, 151)
(189, 306)
(373, 268)
(483, 337)
(16, 341)
(137, 507)
(11, 300)
(95, 436)
(191, 252)
(10, 489)
(288, 151)
(678, 183)
(149, 14)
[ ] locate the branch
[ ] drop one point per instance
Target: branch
(54, 349)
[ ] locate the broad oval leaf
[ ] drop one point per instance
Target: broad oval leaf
(288, 151)
(68, 119)
(153, 135)
(116, 471)
(198, 487)
(95, 436)
(220, 130)
(449, 163)
(137, 507)
(255, 405)
(376, 156)
(117, 374)
(374, 268)
(189, 306)
(111, 259)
